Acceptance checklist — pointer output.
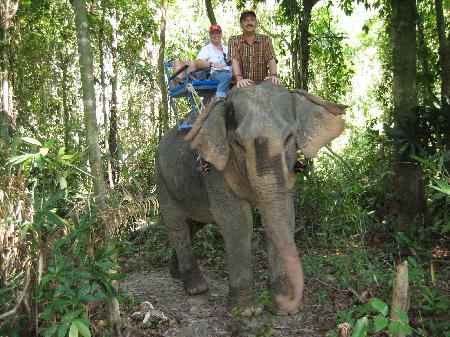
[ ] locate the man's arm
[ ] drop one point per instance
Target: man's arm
(201, 64)
(269, 55)
(237, 71)
(201, 61)
(273, 72)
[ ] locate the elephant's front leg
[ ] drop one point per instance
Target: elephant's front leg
(235, 219)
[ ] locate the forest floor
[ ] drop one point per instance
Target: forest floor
(149, 290)
(337, 281)
(206, 315)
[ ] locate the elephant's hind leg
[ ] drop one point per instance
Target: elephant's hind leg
(194, 227)
(184, 264)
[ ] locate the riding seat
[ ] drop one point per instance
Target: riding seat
(187, 87)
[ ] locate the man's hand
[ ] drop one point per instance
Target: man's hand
(275, 80)
(245, 82)
(217, 66)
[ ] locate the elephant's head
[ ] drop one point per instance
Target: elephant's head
(253, 138)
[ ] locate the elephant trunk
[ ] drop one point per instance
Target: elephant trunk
(277, 215)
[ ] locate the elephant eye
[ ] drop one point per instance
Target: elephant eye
(288, 139)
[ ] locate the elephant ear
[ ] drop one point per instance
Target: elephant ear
(318, 121)
(209, 136)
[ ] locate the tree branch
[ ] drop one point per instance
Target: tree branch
(277, 36)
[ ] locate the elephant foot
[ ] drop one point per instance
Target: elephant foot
(193, 282)
(240, 303)
(174, 270)
(250, 310)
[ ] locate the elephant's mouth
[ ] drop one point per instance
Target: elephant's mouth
(300, 167)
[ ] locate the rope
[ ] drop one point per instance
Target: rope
(194, 93)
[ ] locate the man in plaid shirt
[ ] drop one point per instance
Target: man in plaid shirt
(251, 54)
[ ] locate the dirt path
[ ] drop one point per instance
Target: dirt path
(206, 316)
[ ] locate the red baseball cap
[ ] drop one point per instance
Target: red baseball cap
(215, 27)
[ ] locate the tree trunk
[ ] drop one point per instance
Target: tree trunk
(113, 121)
(409, 187)
(101, 39)
(163, 111)
(5, 132)
(92, 138)
(427, 78)
(8, 9)
(66, 112)
(444, 61)
(304, 41)
(296, 50)
(210, 12)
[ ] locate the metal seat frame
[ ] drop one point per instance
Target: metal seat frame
(203, 88)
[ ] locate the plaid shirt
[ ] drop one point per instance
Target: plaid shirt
(253, 59)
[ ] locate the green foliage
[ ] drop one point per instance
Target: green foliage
(49, 164)
(378, 321)
(429, 306)
(331, 68)
(76, 274)
(157, 245)
(210, 246)
(438, 180)
(357, 268)
(421, 134)
(346, 195)
(73, 280)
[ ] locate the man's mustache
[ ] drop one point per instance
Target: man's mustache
(249, 26)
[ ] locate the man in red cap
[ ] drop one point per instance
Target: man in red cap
(252, 56)
(213, 56)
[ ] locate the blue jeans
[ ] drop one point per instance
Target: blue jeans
(224, 78)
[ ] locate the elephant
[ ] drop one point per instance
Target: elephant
(251, 141)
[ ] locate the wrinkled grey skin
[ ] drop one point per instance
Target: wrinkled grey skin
(251, 141)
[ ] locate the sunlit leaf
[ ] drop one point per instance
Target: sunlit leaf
(423, 161)
(442, 187)
(82, 328)
(394, 327)
(73, 332)
(39, 161)
(19, 159)
(433, 273)
(62, 330)
(32, 141)
(61, 151)
(43, 151)
(379, 306)
(361, 327)
(62, 182)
